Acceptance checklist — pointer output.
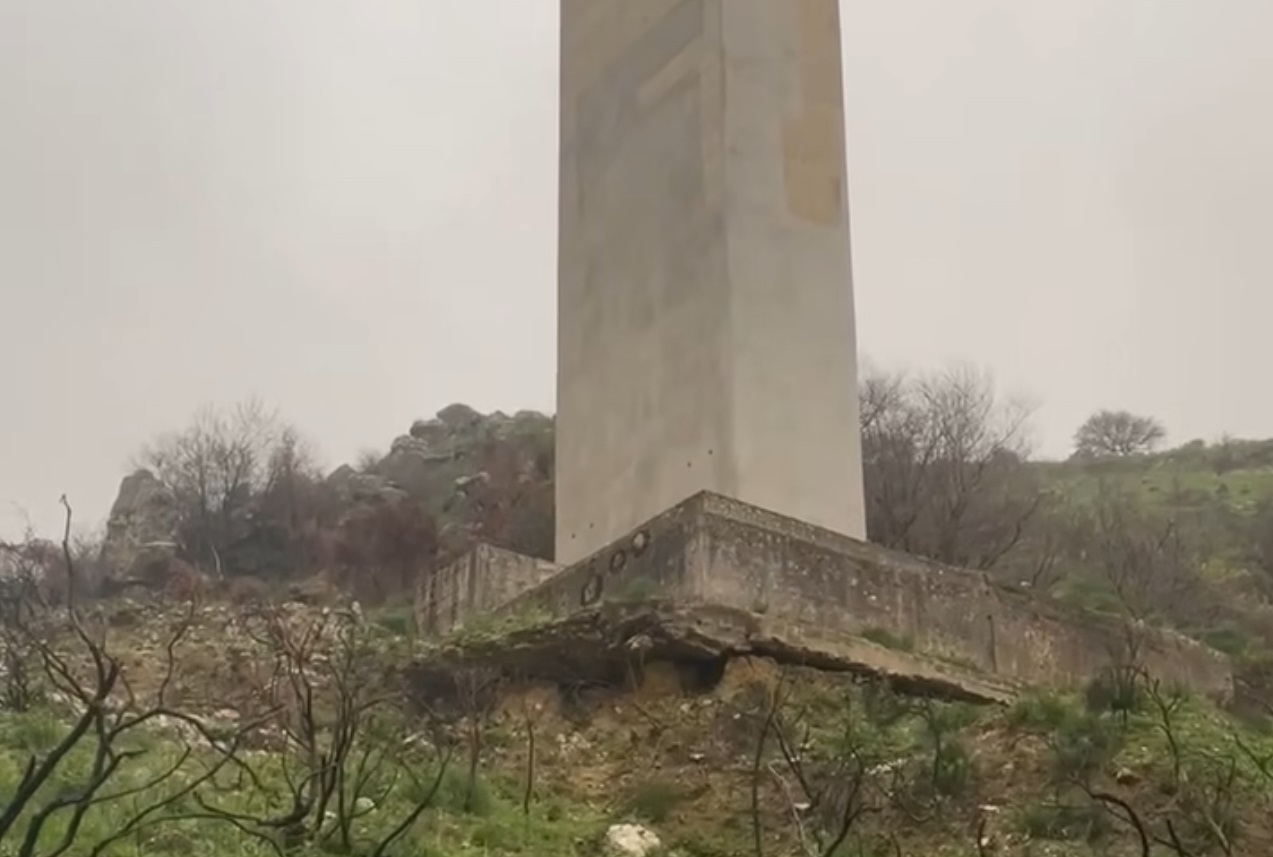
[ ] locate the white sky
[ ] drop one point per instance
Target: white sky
(348, 209)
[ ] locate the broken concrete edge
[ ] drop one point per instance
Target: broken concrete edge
(811, 583)
(608, 643)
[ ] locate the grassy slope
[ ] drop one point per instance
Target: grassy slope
(683, 766)
(1239, 477)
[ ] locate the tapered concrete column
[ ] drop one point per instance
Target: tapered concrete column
(705, 324)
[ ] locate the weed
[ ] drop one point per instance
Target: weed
(1042, 712)
(886, 638)
(1083, 745)
(1064, 822)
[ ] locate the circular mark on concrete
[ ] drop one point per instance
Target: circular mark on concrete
(591, 593)
(640, 542)
(618, 561)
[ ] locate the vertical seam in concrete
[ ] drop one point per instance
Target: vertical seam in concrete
(729, 435)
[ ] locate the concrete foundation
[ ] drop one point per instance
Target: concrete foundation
(821, 591)
(705, 324)
(476, 584)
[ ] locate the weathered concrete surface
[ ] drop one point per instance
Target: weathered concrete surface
(818, 589)
(612, 643)
(482, 580)
(705, 308)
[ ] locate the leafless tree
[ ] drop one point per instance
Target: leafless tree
(1205, 788)
(368, 460)
(945, 465)
(476, 692)
(1117, 433)
(342, 744)
(104, 714)
(1144, 559)
(381, 550)
(835, 793)
(222, 466)
(513, 504)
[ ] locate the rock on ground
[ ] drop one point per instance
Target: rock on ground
(631, 840)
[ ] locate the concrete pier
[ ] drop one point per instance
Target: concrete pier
(705, 326)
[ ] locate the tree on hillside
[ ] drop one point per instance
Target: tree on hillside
(381, 550)
(513, 504)
(221, 465)
(945, 464)
(1145, 559)
(1117, 433)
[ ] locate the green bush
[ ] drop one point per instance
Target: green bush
(1084, 745)
(952, 768)
(1043, 712)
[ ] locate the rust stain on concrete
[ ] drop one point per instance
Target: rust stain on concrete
(813, 141)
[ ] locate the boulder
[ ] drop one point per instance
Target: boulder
(143, 527)
(431, 432)
(459, 417)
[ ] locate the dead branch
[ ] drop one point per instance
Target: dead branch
(107, 711)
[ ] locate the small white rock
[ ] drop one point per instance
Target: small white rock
(631, 840)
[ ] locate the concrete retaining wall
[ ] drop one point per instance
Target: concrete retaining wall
(477, 583)
(814, 587)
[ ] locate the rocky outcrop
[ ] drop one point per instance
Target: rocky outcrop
(352, 488)
(444, 463)
(439, 460)
(142, 529)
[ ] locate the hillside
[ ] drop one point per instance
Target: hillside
(271, 696)
(1182, 537)
(1235, 474)
(756, 757)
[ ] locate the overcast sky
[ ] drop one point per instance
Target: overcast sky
(348, 209)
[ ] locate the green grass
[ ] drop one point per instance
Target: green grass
(1162, 481)
(886, 638)
(493, 823)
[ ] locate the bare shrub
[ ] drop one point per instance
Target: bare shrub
(1144, 559)
(247, 591)
(240, 477)
(381, 550)
(513, 505)
(945, 466)
(56, 790)
(344, 746)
